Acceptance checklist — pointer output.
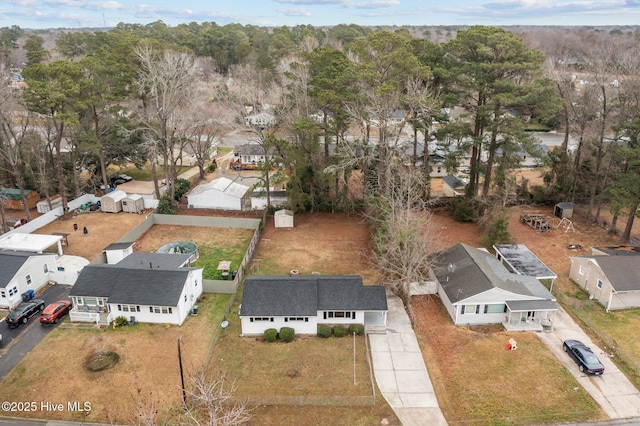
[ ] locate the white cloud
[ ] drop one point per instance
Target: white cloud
(298, 11)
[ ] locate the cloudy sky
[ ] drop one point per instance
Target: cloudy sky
(37, 14)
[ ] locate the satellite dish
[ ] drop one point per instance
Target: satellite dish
(451, 267)
(224, 324)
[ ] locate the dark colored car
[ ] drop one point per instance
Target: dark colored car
(55, 311)
(120, 179)
(21, 313)
(587, 361)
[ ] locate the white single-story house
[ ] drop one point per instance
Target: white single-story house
(21, 272)
(612, 279)
(303, 302)
(249, 156)
(142, 292)
(112, 202)
(262, 119)
(476, 288)
(221, 193)
(283, 218)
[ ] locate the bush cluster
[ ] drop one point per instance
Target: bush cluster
(121, 321)
(357, 329)
(270, 335)
(324, 331)
(287, 334)
(339, 330)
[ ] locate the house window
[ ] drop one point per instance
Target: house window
(260, 319)
(599, 284)
(13, 291)
(185, 297)
(581, 270)
(470, 309)
(45, 268)
(339, 314)
(495, 308)
(298, 319)
(28, 278)
(3, 294)
(160, 310)
(129, 308)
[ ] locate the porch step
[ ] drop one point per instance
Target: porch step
(375, 329)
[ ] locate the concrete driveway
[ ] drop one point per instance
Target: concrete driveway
(613, 391)
(17, 342)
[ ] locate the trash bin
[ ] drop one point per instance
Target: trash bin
(233, 274)
(194, 310)
(225, 275)
(132, 320)
(28, 295)
(31, 294)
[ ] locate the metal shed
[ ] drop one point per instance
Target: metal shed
(283, 218)
(563, 209)
(112, 202)
(133, 203)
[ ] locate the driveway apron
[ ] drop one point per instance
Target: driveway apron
(400, 371)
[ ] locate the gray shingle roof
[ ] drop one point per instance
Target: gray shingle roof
(142, 260)
(118, 246)
(621, 271)
(138, 286)
(305, 295)
(464, 271)
(10, 264)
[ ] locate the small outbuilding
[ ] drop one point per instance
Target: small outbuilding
(221, 193)
(563, 210)
(12, 199)
(112, 202)
(43, 206)
(133, 203)
(283, 218)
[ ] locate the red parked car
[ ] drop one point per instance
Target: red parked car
(55, 311)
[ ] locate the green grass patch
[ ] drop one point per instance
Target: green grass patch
(210, 257)
(145, 172)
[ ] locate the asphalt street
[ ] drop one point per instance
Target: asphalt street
(18, 342)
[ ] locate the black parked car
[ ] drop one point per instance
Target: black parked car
(587, 361)
(21, 313)
(120, 179)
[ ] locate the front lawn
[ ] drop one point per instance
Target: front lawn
(479, 382)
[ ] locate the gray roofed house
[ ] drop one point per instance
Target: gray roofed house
(452, 186)
(303, 302)
(164, 293)
(476, 288)
(611, 279)
(21, 272)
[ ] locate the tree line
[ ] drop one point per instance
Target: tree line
(343, 98)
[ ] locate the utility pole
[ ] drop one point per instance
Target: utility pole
(184, 392)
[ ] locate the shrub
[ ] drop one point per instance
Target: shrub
(182, 186)
(324, 331)
(167, 205)
(212, 167)
(498, 232)
(287, 334)
(339, 330)
(121, 321)
(464, 210)
(356, 329)
(270, 335)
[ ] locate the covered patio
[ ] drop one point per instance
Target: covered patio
(530, 315)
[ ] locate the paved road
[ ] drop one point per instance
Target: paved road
(613, 391)
(18, 342)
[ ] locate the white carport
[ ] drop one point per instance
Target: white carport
(221, 193)
(33, 243)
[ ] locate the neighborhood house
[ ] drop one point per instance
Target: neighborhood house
(22, 272)
(221, 193)
(609, 276)
(143, 287)
(477, 288)
(303, 302)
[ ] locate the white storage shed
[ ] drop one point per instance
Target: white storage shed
(112, 202)
(283, 218)
(133, 203)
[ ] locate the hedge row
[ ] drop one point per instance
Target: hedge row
(286, 334)
(339, 330)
